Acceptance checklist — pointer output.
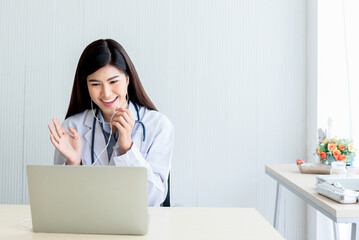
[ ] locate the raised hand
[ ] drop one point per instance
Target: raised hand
(70, 146)
(123, 122)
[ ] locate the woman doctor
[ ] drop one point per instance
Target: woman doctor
(108, 102)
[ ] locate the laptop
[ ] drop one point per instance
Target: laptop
(88, 199)
(351, 182)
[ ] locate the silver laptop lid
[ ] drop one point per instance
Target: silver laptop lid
(84, 199)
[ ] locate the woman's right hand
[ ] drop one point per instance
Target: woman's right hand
(69, 146)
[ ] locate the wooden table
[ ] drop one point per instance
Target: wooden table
(165, 223)
(303, 185)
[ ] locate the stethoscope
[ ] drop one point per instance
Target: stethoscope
(94, 127)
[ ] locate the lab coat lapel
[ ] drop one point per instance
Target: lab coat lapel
(99, 140)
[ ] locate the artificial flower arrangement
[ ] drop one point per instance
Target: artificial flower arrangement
(336, 149)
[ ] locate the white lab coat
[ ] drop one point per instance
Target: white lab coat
(155, 153)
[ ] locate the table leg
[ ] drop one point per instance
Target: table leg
(336, 230)
(276, 211)
(355, 231)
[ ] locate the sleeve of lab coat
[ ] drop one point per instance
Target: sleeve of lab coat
(157, 161)
(59, 159)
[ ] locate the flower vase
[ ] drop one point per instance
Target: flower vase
(329, 160)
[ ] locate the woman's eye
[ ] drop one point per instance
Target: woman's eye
(95, 84)
(114, 81)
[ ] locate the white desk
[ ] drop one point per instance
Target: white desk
(165, 223)
(303, 185)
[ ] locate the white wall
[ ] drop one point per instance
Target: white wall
(312, 111)
(231, 76)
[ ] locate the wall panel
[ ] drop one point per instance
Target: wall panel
(231, 76)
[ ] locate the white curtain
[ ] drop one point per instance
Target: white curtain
(338, 67)
(338, 81)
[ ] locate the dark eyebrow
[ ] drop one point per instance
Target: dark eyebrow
(113, 77)
(94, 80)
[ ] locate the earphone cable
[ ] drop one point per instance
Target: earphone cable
(109, 138)
(108, 141)
(20, 223)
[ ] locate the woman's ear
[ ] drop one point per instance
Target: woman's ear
(128, 80)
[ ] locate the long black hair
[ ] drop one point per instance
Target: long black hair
(98, 54)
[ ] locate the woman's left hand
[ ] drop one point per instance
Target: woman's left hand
(124, 123)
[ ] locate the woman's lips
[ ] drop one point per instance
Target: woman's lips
(110, 102)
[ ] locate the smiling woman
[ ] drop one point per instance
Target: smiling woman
(110, 110)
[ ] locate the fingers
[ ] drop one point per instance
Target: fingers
(54, 139)
(53, 136)
(60, 131)
(74, 133)
(121, 123)
(54, 142)
(126, 117)
(126, 114)
(124, 120)
(118, 126)
(121, 110)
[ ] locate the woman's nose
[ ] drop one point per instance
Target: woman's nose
(106, 90)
